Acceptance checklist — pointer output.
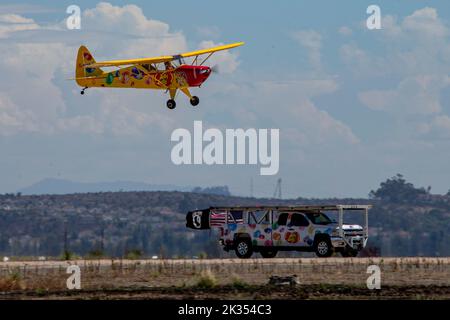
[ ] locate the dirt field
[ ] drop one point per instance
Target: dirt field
(332, 278)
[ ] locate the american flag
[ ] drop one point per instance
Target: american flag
(217, 219)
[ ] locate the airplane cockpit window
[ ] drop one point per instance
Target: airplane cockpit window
(149, 67)
(168, 65)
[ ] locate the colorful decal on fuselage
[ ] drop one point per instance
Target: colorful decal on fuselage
(133, 76)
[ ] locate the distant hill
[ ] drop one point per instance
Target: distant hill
(219, 190)
(62, 186)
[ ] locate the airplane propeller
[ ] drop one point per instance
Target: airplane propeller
(215, 69)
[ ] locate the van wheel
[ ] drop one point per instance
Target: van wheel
(243, 249)
(268, 253)
(323, 248)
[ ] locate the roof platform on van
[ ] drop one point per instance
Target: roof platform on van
(314, 208)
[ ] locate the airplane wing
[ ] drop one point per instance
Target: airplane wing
(115, 63)
(210, 50)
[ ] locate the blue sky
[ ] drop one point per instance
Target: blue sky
(353, 106)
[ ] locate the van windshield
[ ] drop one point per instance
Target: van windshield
(318, 218)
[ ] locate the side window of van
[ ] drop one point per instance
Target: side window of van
(282, 219)
(298, 220)
(259, 216)
(238, 216)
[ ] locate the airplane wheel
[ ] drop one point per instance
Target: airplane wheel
(82, 92)
(194, 101)
(171, 104)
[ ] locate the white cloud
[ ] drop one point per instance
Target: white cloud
(443, 122)
(30, 83)
(390, 26)
(418, 44)
(361, 63)
(12, 118)
(414, 95)
(127, 32)
(209, 32)
(81, 124)
(288, 105)
(226, 61)
(319, 127)
(14, 18)
(303, 87)
(23, 8)
(425, 22)
(127, 113)
(312, 41)
(10, 23)
(438, 127)
(345, 31)
(410, 73)
(128, 19)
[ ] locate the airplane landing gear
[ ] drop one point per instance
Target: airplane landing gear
(171, 104)
(194, 101)
(82, 91)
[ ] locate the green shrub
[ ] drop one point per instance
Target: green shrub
(95, 254)
(238, 283)
(207, 280)
(68, 255)
(133, 254)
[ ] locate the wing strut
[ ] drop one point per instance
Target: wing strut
(204, 60)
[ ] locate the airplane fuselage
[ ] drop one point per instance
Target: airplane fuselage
(147, 77)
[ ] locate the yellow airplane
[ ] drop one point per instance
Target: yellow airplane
(168, 73)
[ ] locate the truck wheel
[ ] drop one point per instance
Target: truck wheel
(323, 248)
(243, 249)
(268, 253)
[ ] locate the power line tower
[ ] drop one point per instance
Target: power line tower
(277, 192)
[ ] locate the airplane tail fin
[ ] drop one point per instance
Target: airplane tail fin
(84, 58)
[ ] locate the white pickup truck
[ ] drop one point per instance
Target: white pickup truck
(269, 229)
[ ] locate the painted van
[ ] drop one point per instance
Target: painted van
(268, 230)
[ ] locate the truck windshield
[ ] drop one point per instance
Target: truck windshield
(318, 218)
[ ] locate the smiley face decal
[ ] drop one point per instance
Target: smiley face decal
(292, 237)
